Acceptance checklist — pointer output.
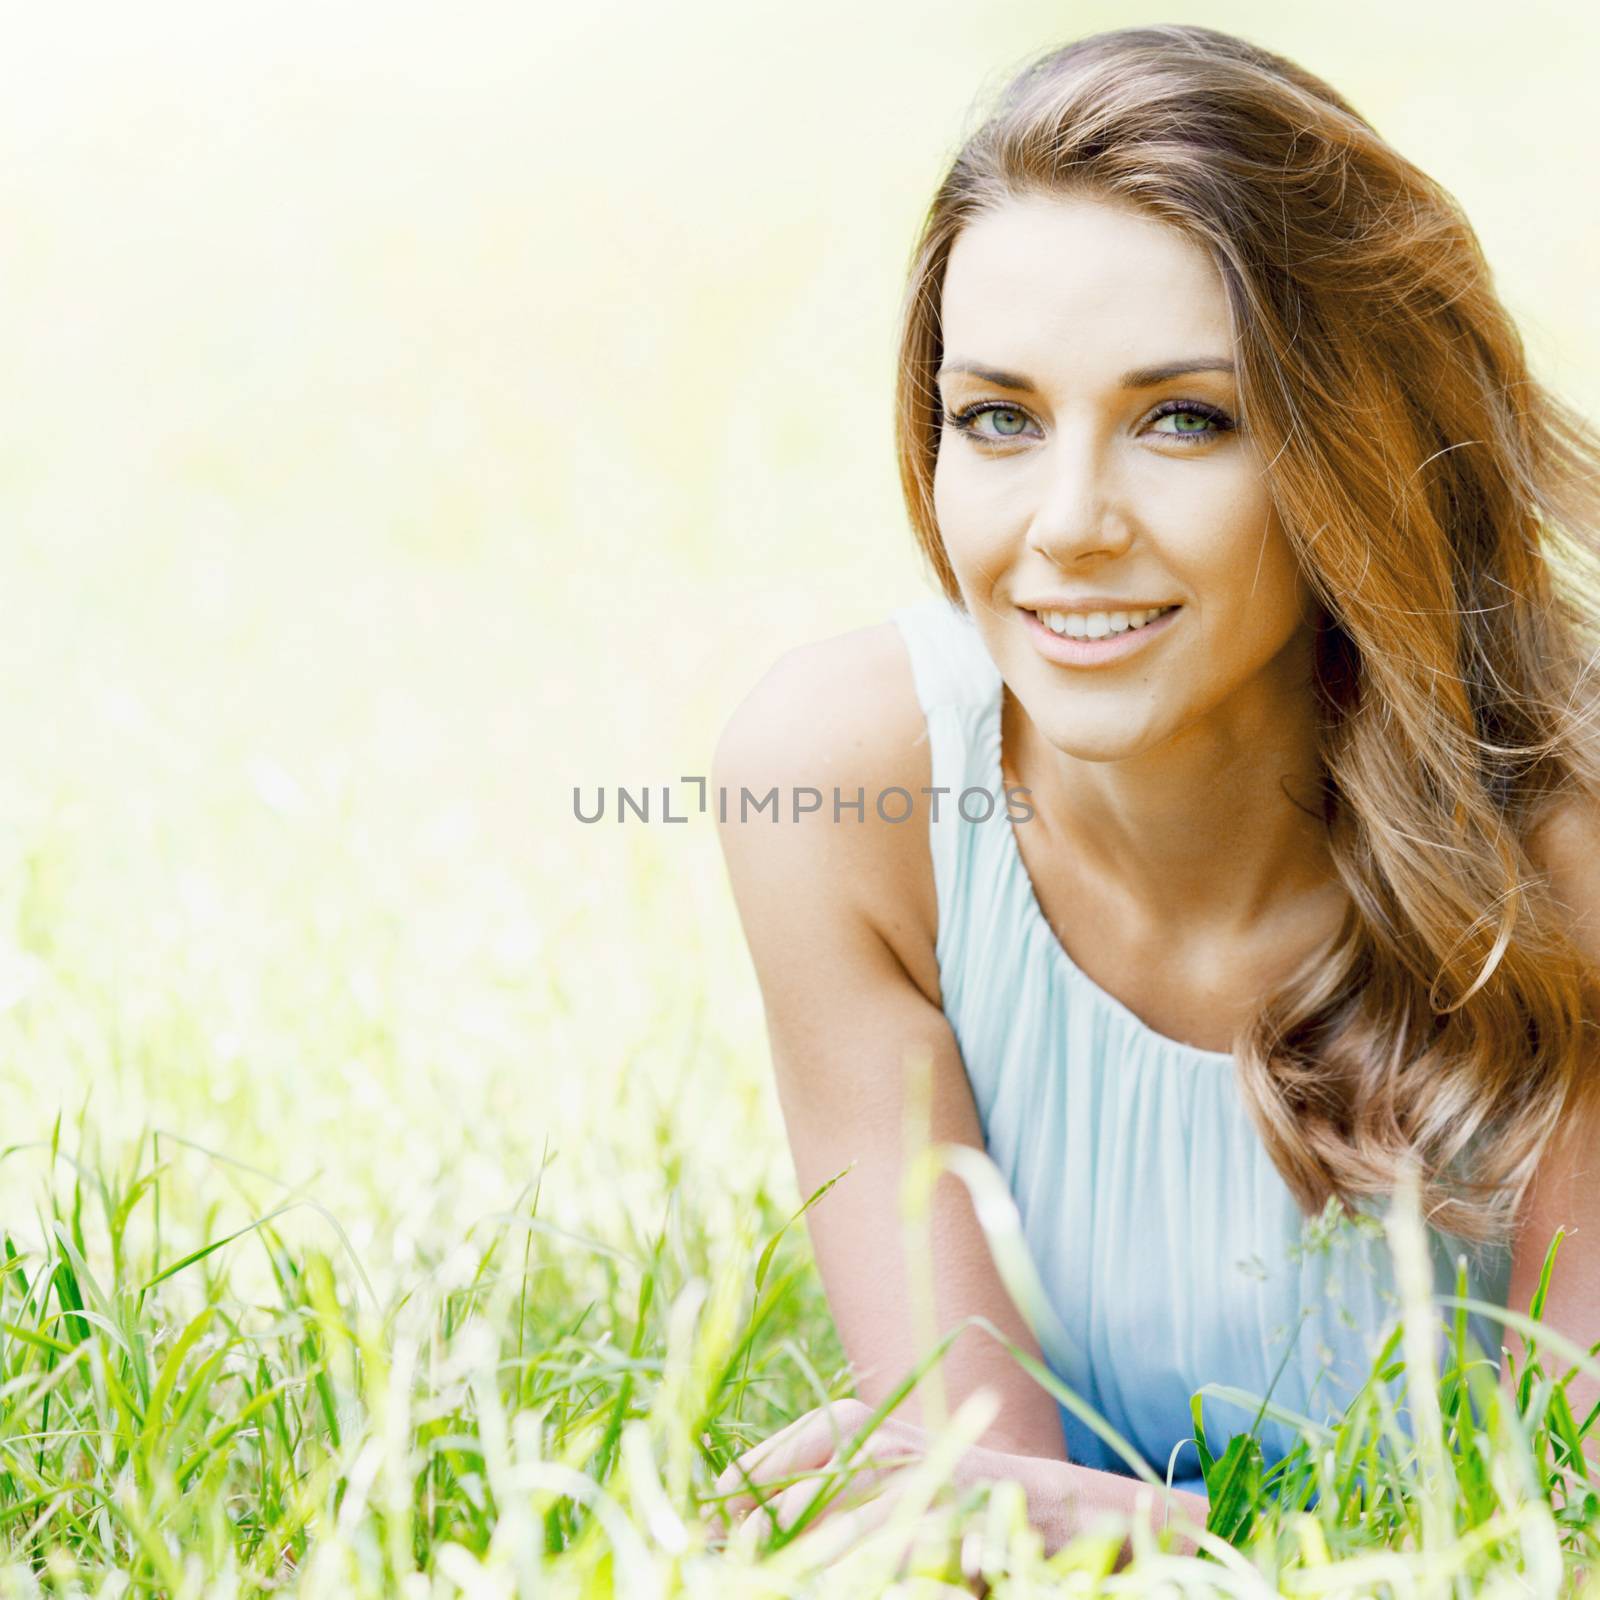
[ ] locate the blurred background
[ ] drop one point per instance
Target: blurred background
(414, 411)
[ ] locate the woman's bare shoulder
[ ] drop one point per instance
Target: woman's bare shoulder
(856, 684)
(1564, 844)
(840, 716)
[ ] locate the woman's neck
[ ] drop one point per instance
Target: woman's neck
(1206, 836)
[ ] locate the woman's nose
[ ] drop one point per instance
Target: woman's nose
(1081, 511)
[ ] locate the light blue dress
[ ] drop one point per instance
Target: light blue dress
(1169, 1246)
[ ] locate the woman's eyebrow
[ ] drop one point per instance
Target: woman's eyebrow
(1138, 378)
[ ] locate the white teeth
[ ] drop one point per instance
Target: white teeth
(1097, 624)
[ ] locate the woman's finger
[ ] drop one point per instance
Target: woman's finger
(803, 1446)
(845, 1524)
(830, 1536)
(761, 1463)
(855, 1523)
(788, 1506)
(863, 1482)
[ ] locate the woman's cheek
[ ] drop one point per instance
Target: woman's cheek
(957, 516)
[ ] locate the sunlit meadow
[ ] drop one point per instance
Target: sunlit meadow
(412, 413)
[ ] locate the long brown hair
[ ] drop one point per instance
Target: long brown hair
(1450, 532)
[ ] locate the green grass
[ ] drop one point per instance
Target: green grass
(541, 1413)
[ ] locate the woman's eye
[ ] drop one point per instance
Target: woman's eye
(1009, 423)
(1191, 420)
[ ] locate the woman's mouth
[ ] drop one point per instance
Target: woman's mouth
(1087, 639)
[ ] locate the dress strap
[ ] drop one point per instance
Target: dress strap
(948, 658)
(959, 687)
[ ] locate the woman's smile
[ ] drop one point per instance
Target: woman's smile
(1095, 638)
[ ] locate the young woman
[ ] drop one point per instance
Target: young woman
(1273, 578)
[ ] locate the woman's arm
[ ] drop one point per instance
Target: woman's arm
(830, 914)
(1566, 1192)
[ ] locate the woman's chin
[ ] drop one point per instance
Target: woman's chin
(1100, 744)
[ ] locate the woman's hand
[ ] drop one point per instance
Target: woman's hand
(1060, 1496)
(816, 1444)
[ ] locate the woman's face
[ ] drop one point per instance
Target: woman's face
(1078, 473)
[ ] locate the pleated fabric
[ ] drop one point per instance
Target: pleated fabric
(1169, 1246)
